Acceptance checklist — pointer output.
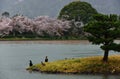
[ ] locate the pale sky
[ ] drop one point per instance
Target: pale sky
(52, 7)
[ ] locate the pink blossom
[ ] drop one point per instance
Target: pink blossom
(5, 27)
(41, 25)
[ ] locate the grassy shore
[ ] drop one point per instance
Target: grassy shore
(88, 65)
(41, 38)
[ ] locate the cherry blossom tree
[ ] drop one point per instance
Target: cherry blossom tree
(40, 26)
(50, 26)
(5, 27)
(22, 24)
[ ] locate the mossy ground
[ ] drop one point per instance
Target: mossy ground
(88, 65)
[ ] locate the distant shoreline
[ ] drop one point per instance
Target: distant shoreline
(46, 41)
(41, 41)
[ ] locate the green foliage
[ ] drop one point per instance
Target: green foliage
(77, 10)
(6, 14)
(112, 46)
(104, 29)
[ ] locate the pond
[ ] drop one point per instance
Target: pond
(15, 56)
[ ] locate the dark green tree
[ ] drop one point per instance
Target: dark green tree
(6, 14)
(103, 30)
(78, 11)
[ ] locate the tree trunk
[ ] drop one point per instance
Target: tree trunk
(105, 58)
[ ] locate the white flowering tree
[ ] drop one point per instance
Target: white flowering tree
(21, 25)
(50, 26)
(5, 27)
(39, 26)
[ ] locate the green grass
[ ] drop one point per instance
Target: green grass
(88, 65)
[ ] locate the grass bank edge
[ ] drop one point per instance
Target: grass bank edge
(87, 65)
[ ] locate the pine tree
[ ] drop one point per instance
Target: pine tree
(103, 30)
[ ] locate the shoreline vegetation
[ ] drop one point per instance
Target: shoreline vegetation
(86, 65)
(44, 42)
(42, 38)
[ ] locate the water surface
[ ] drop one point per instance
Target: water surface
(15, 56)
